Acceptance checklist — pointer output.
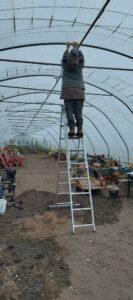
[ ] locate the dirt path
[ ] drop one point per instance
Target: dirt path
(87, 265)
(101, 263)
(38, 173)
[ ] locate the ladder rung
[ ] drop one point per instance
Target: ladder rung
(68, 203)
(62, 204)
(77, 163)
(83, 208)
(63, 182)
(62, 172)
(62, 161)
(84, 225)
(76, 150)
(80, 178)
(80, 193)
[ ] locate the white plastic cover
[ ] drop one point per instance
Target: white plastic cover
(33, 34)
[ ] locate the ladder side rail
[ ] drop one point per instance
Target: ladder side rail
(68, 169)
(73, 178)
(59, 153)
(78, 148)
(89, 185)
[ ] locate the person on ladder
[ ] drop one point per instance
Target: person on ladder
(72, 90)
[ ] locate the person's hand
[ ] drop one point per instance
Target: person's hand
(68, 44)
(75, 44)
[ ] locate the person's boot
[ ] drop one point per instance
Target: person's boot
(79, 128)
(80, 133)
(71, 133)
(71, 125)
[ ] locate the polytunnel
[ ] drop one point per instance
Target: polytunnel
(33, 34)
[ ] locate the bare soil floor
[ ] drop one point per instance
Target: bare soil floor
(40, 258)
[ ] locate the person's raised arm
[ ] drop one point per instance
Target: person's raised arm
(68, 44)
(81, 59)
(66, 54)
(75, 45)
(81, 56)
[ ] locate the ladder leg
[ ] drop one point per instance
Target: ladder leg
(59, 156)
(68, 169)
(89, 187)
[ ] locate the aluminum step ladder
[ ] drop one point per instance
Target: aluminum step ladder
(74, 147)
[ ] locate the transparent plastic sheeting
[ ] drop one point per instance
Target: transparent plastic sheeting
(32, 40)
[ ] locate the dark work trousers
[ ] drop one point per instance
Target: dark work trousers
(74, 109)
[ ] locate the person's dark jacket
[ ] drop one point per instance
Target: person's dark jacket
(72, 77)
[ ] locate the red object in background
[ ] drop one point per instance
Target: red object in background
(9, 158)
